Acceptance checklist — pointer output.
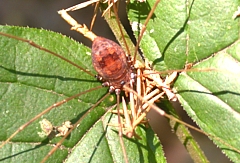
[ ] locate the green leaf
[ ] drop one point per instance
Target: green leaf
(181, 32)
(184, 32)
(213, 103)
(104, 143)
(32, 80)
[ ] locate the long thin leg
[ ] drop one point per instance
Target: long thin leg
(120, 132)
(73, 127)
(44, 112)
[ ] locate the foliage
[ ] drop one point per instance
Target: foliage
(178, 33)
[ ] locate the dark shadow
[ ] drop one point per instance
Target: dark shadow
(47, 139)
(80, 115)
(95, 149)
(140, 146)
(179, 32)
(213, 93)
(141, 9)
(73, 121)
(187, 140)
(231, 150)
(150, 138)
(99, 141)
(46, 76)
(34, 148)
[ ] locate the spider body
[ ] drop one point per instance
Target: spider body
(111, 63)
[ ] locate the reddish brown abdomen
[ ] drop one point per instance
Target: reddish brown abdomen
(110, 61)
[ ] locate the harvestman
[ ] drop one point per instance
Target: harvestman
(129, 90)
(165, 85)
(55, 105)
(130, 132)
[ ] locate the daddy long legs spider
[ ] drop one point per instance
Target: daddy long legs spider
(49, 83)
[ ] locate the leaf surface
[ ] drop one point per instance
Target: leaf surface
(33, 80)
(180, 33)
